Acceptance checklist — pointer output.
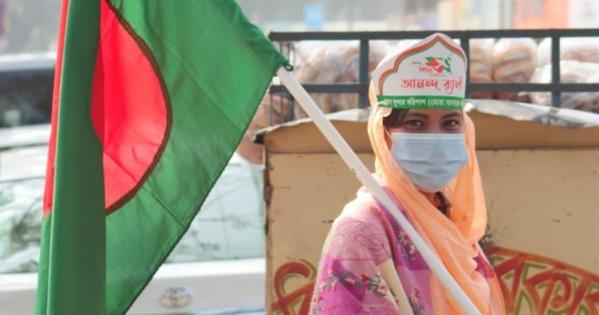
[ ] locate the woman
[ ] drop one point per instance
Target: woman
(425, 160)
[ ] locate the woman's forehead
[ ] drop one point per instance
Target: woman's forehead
(434, 112)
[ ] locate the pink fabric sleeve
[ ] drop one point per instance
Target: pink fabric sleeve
(348, 280)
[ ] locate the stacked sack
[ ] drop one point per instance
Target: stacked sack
(579, 64)
(521, 60)
(583, 49)
(481, 64)
(333, 62)
(514, 61)
(314, 62)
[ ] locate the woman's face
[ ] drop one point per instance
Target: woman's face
(430, 121)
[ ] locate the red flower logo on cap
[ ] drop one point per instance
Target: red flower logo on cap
(435, 65)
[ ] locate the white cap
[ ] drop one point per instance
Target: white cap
(429, 74)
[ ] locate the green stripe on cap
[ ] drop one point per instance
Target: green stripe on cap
(421, 102)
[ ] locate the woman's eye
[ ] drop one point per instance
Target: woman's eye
(414, 124)
(451, 124)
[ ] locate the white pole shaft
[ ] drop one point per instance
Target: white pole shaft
(356, 165)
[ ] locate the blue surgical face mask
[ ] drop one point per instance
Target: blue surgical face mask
(430, 160)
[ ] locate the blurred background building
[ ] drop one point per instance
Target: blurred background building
(344, 15)
(31, 25)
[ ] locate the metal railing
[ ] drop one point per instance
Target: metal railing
(286, 41)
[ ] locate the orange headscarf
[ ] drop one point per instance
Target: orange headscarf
(454, 239)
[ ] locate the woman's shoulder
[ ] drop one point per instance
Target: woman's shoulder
(362, 206)
(362, 212)
(359, 231)
(365, 208)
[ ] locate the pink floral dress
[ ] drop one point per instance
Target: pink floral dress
(349, 281)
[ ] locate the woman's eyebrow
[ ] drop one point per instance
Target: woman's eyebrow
(417, 115)
(451, 115)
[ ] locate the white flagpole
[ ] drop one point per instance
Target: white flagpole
(354, 163)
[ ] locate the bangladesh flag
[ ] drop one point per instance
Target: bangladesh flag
(151, 98)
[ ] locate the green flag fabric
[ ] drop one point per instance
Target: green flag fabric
(151, 99)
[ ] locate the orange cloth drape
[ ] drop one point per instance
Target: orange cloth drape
(454, 239)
